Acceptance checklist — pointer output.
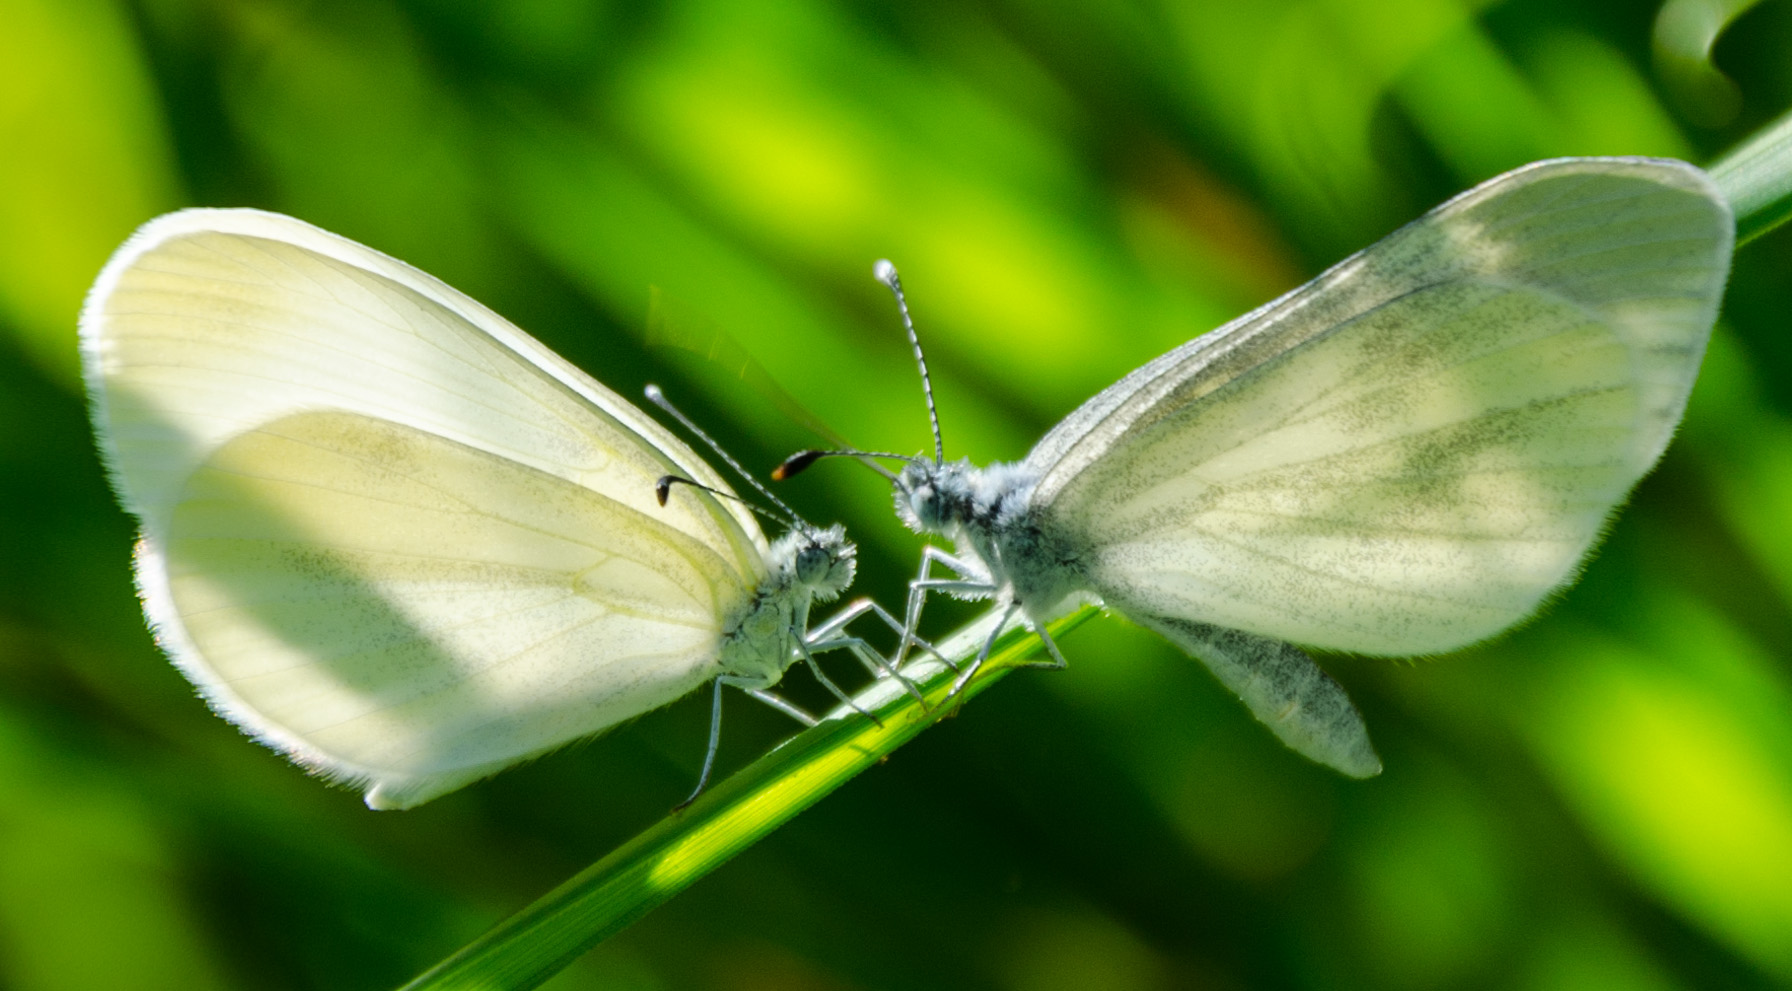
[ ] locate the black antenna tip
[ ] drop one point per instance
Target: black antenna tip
(796, 463)
(663, 487)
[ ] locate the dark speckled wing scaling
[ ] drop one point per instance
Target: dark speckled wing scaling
(1409, 453)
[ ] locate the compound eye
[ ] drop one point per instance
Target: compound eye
(811, 564)
(927, 503)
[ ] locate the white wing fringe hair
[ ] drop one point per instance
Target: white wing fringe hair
(1404, 456)
(389, 534)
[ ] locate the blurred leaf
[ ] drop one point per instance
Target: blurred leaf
(1058, 949)
(90, 891)
(1433, 883)
(342, 113)
(1685, 33)
(1475, 107)
(1679, 759)
(1604, 103)
(982, 212)
(86, 161)
(1581, 953)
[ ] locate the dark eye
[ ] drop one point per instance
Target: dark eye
(811, 563)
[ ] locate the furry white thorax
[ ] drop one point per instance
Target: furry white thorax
(803, 566)
(989, 516)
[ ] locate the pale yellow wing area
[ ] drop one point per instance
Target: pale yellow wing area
(1409, 453)
(208, 323)
(407, 613)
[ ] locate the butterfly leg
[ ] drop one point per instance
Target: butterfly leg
(925, 582)
(970, 671)
(982, 590)
(868, 605)
(750, 686)
(709, 755)
(876, 663)
(808, 653)
(873, 661)
(784, 706)
(1057, 663)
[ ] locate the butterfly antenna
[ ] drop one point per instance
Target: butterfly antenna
(886, 274)
(659, 399)
(801, 460)
(662, 490)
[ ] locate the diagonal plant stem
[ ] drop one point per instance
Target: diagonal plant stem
(1756, 177)
(534, 944)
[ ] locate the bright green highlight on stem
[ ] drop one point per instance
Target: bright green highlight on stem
(533, 945)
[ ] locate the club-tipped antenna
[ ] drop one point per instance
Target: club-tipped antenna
(801, 460)
(662, 490)
(658, 398)
(885, 272)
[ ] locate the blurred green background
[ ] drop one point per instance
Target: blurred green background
(1602, 799)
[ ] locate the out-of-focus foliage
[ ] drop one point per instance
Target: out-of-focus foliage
(1603, 799)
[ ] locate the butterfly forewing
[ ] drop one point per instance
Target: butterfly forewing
(211, 322)
(1407, 454)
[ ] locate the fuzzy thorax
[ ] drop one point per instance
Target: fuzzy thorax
(802, 567)
(987, 513)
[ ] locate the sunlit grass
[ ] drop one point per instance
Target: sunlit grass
(665, 859)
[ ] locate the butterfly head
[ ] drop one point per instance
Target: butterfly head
(823, 560)
(932, 497)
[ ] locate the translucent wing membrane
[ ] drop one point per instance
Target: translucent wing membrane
(383, 529)
(1407, 454)
(399, 609)
(1284, 689)
(210, 322)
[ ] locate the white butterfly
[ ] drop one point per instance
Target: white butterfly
(391, 535)
(1404, 456)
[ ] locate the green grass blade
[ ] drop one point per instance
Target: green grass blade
(533, 945)
(1757, 179)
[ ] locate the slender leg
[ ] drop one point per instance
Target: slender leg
(857, 608)
(1057, 663)
(871, 659)
(981, 589)
(837, 622)
(824, 637)
(925, 582)
(784, 706)
(919, 588)
(715, 724)
(890, 621)
(875, 663)
(709, 756)
(828, 683)
(971, 669)
(911, 613)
